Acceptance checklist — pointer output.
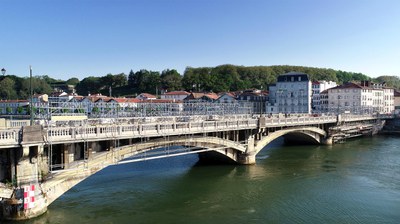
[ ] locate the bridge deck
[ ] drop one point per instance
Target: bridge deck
(166, 126)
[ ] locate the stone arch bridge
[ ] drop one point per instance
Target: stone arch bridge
(52, 159)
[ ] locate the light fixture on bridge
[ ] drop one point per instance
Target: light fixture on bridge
(3, 71)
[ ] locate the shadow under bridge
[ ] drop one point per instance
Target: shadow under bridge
(167, 147)
(304, 134)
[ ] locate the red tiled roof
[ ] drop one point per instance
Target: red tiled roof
(14, 101)
(161, 101)
(132, 100)
(177, 93)
(350, 85)
(147, 95)
(213, 96)
(120, 100)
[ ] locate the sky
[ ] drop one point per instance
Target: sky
(81, 38)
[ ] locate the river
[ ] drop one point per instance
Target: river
(354, 182)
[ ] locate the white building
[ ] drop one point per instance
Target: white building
(317, 88)
(146, 96)
(175, 95)
(291, 94)
(361, 98)
(14, 106)
(226, 98)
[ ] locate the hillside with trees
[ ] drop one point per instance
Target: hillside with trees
(216, 79)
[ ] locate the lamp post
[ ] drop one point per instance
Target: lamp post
(30, 92)
(3, 71)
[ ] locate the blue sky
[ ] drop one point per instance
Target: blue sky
(80, 38)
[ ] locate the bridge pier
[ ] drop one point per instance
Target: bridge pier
(249, 157)
(27, 200)
(327, 141)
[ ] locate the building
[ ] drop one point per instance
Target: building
(397, 101)
(146, 96)
(226, 98)
(14, 107)
(175, 95)
(256, 97)
(364, 97)
(323, 101)
(291, 94)
(317, 88)
(201, 97)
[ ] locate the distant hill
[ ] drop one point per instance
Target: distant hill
(221, 78)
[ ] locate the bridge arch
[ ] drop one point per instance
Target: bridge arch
(225, 148)
(196, 144)
(315, 134)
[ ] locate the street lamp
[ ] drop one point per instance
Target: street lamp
(3, 71)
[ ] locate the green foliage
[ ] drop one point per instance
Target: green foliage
(393, 81)
(7, 89)
(144, 81)
(171, 80)
(90, 84)
(20, 110)
(95, 110)
(233, 78)
(217, 79)
(72, 81)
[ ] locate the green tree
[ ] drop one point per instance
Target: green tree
(20, 110)
(392, 81)
(108, 80)
(120, 80)
(132, 82)
(95, 110)
(73, 81)
(89, 85)
(151, 82)
(39, 85)
(171, 80)
(7, 89)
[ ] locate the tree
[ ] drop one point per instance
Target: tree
(39, 85)
(120, 80)
(73, 81)
(152, 82)
(7, 89)
(108, 80)
(132, 79)
(89, 85)
(198, 79)
(20, 110)
(228, 78)
(392, 81)
(171, 80)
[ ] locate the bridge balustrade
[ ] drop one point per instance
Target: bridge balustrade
(8, 137)
(171, 128)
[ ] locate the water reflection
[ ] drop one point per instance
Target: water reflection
(355, 182)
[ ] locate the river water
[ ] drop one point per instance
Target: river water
(354, 182)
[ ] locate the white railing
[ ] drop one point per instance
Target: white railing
(156, 127)
(8, 137)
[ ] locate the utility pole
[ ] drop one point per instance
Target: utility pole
(31, 95)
